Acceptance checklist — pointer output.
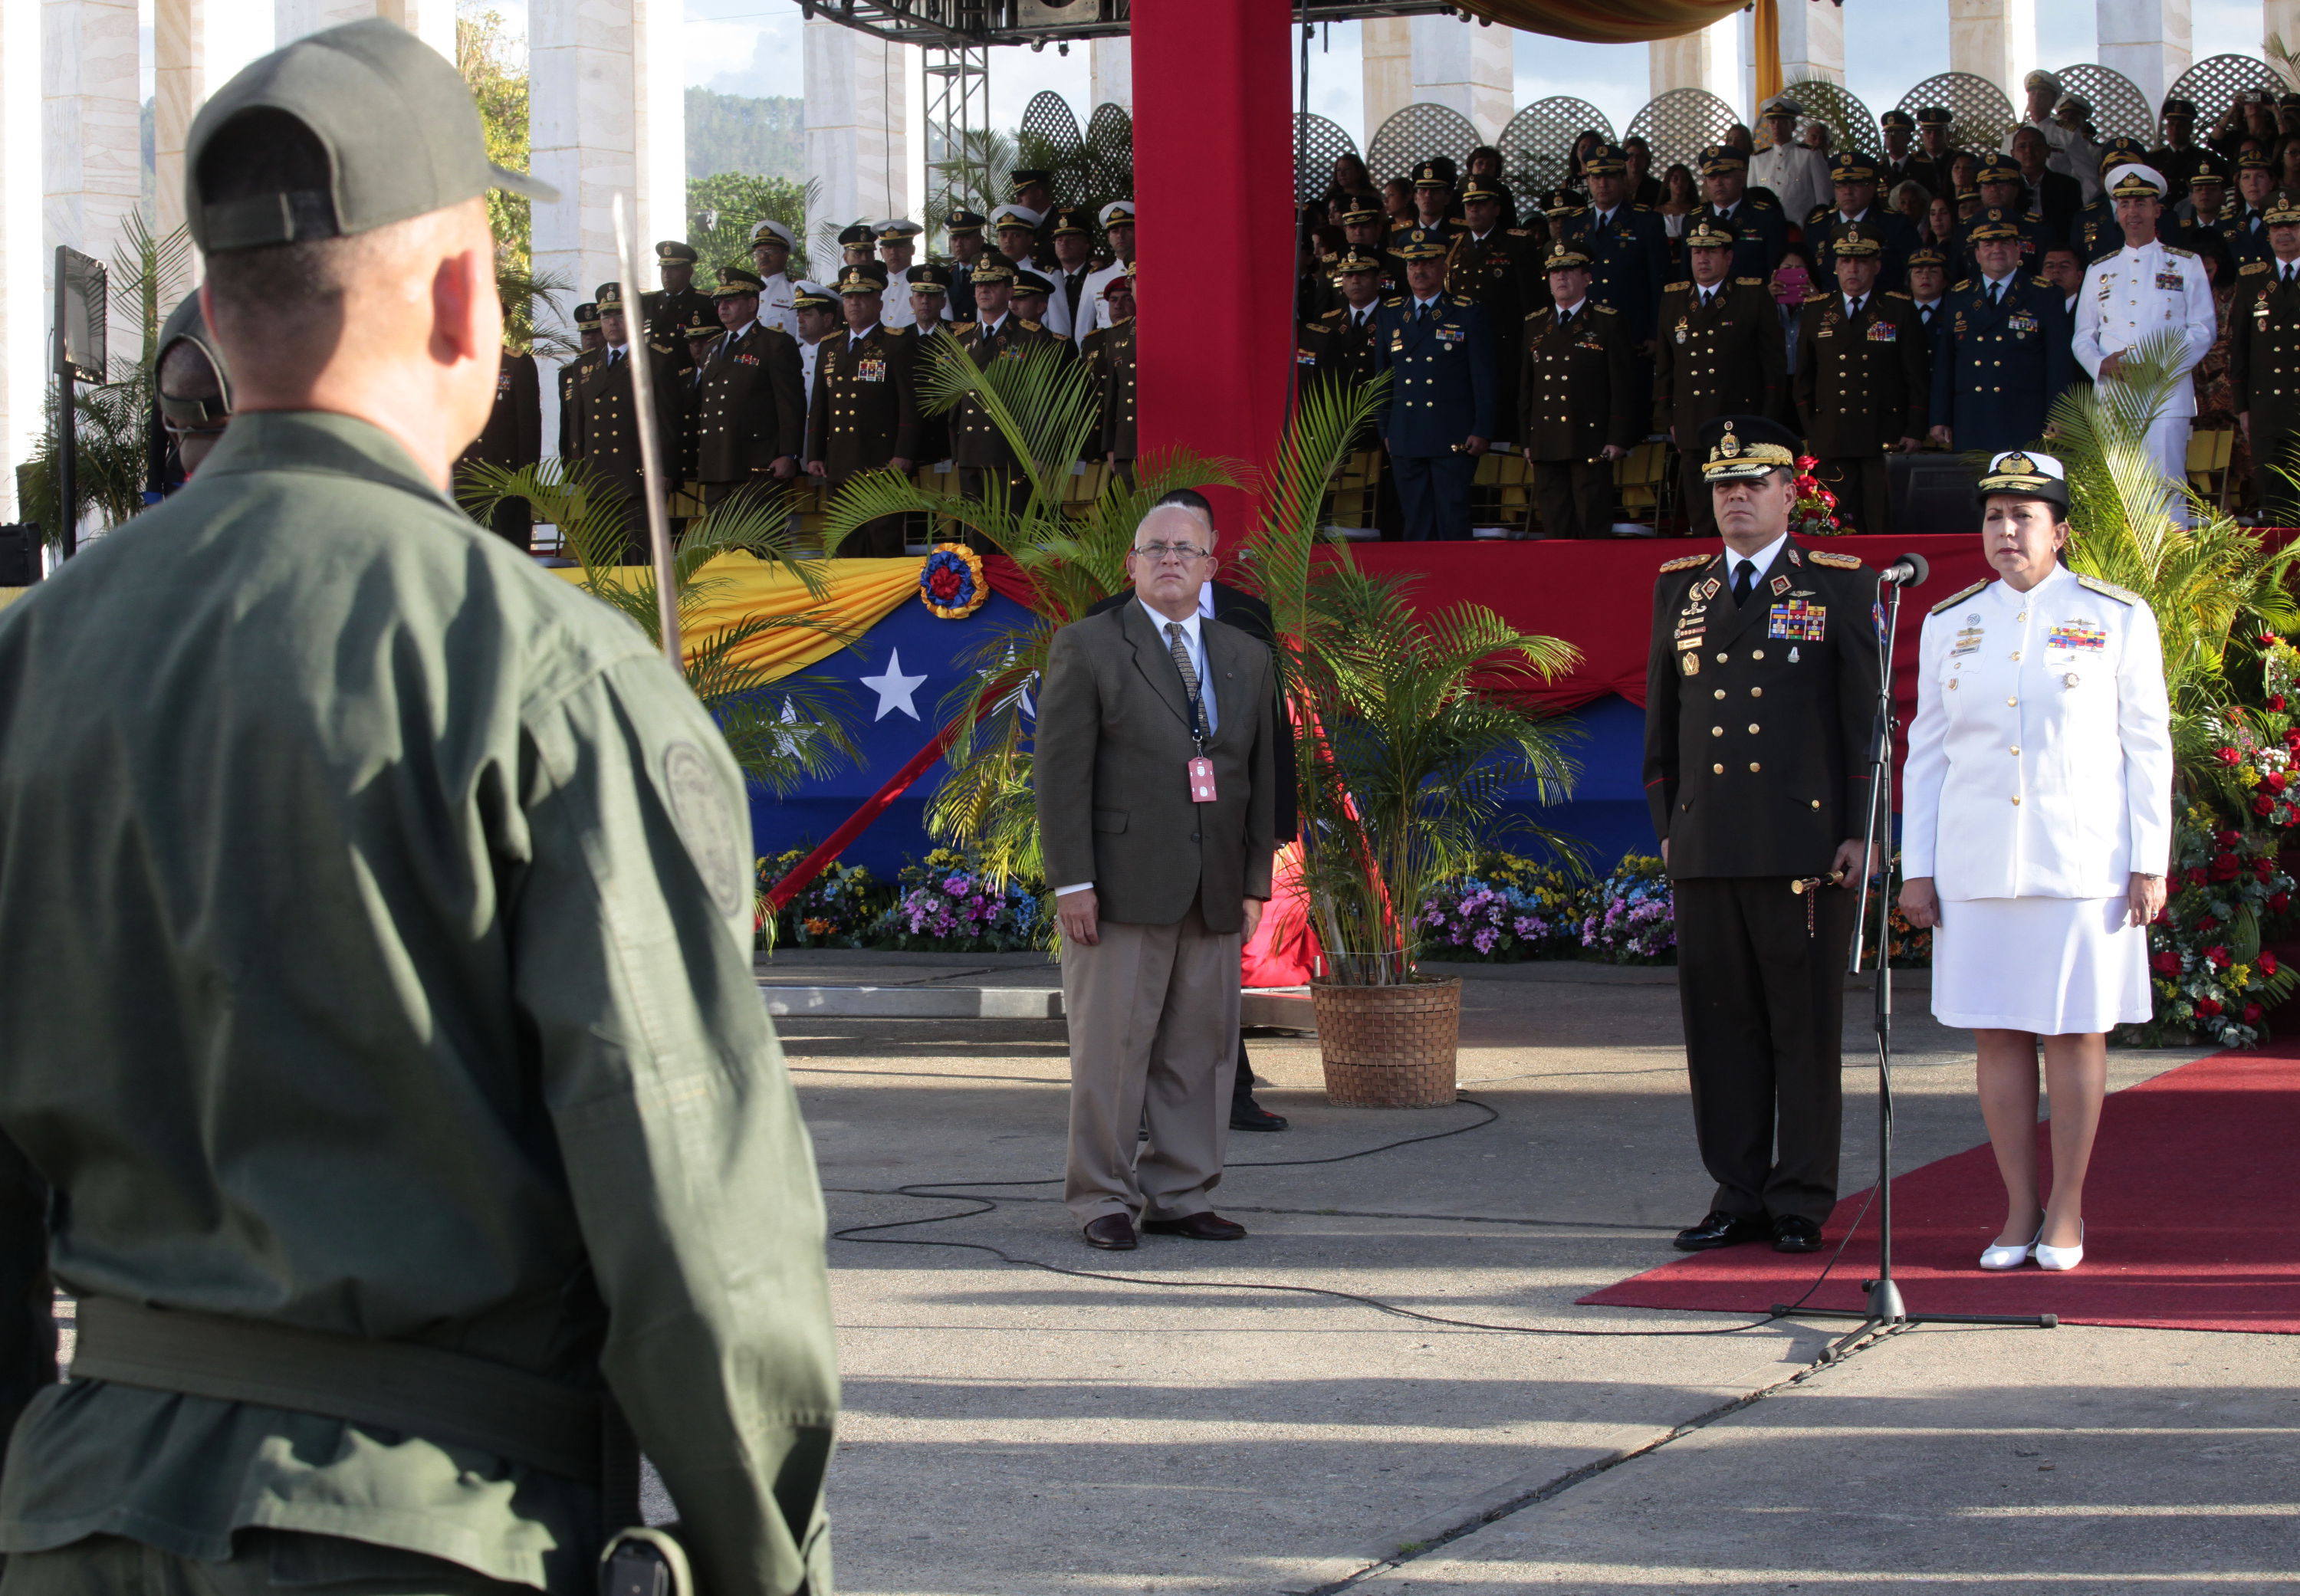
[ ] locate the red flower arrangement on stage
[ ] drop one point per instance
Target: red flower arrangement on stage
(951, 583)
(1815, 513)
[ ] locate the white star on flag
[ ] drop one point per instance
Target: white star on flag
(893, 687)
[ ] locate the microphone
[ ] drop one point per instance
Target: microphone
(1910, 570)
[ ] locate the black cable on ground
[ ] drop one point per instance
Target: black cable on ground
(923, 1190)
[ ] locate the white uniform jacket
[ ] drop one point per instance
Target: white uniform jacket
(2040, 762)
(2137, 292)
(775, 307)
(1799, 176)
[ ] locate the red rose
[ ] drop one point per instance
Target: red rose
(2278, 902)
(943, 584)
(2227, 839)
(2276, 703)
(2208, 1008)
(2274, 780)
(2267, 640)
(2292, 739)
(2252, 1014)
(2193, 876)
(2263, 805)
(2261, 869)
(2166, 963)
(2217, 957)
(2207, 923)
(2163, 916)
(2266, 962)
(2229, 756)
(2225, 867)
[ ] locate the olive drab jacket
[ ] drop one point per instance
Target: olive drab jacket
(383, 978)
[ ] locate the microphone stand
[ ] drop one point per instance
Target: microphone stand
(1885, 1312)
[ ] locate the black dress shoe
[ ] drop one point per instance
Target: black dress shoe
(1794, 1233)
(1113, 1232)
(1208, 1226)
(1247, 1115)
(1720, 1229)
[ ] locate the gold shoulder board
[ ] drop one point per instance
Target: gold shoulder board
(1827, 557)
(1519, 233)
(1686, 562)
(2249, 267)
(1896, 294)
(1676, 287)
(1391, 305)
(1962, 593)
(2123, 595)
(1537, 315)
(2042, 282)
(1027, 325)
(1819, 297)
(1758, 205)
(2174, 249)
(1750, 282)
(1329, 315)
(1961, 286)
(1606, 310)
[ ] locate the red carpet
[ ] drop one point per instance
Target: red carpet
(2192, 1221)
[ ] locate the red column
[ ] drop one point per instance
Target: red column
(1214, 188)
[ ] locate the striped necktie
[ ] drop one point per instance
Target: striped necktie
(1179, 647)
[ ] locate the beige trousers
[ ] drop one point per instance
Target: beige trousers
(1153, 1035)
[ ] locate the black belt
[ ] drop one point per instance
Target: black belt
(441, 1395)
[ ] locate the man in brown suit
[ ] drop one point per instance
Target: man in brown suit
(865, 414)
(1577, 414)
(976, 447)
(750, 412)
(1718, 351)
(1155, 776)
(1864, 381)
(513, 438)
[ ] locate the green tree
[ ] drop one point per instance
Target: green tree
(723, 210)
(764, 135)
(488, 54)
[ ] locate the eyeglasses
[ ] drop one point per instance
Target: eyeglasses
(1158, 552)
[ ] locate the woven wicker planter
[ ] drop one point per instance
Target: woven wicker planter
(1389, 1047)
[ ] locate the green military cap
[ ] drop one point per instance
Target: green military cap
(1897, 118)
(2282, 209)
(855, 233)
(674, 249)
(2174, 105)
(1722, 158)
(929, 279)
(701, 322)
(609, 296)
(1734, 447)
(1434, 174)
(2209, 169)
(1070, 219)
(1420, 245)
(868, 277)
(963, 221)
(1998, 168)
(2119, 150)
(2133, 180)
(1027, 281)
(189, 324)
(1605, 161)
(1934, 116)
(1993, 223)
(1851, 166)
(808, 295)
(2031, 475)
(1025, 177)
(2254, 160)
(992, 273)
(398, 127)
(587, 317)
(1709, 232)
(1927, 254)
(1351, 261)
(1854, 241)
(1478, 188)
(737, 279)
(1564, 257)
(1360, 209)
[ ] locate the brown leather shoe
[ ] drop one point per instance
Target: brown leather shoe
(1113, 1232)
(1208, 1226)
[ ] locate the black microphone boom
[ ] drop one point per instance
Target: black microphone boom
(1910, 570)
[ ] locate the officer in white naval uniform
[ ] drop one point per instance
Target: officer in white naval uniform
(808, 297)
(1797, 173)
(2144, 288)
(1117, 219)
(2037, 830)
(897, 240)
(770, 248)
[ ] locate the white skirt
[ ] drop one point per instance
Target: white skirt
(2053, 965)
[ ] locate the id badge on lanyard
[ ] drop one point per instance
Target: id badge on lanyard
(1201, 769)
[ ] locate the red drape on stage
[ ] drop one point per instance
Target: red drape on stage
(1214, 159)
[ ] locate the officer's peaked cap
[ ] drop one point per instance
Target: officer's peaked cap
(1734, 448)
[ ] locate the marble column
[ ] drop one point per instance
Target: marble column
(1465, 67)
(2280, 19)
(1995, 40)
(1385, 61)
(1707, 58)
(606, 115)
(91, 132)
(1813, 41)
(24, 353)
(198, 46)
(857, 132)
(1112, 63)
(431, 20)
(2146, 40)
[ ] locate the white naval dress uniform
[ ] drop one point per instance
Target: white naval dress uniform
(775, 308)
(1095, 281)
(2126, 297)
(807, 357)
(2039, 779)
(1799, 176)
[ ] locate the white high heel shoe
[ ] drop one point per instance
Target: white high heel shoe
(1998, 1256)
(2061, 1257)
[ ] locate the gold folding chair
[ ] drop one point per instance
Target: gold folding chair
(1641, 478)
(1355, 490)
(2210, 450)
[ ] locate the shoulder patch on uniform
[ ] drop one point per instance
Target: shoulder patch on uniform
(1675, 288)
(1520, 232)
(1027, 325)
(2042, 282)
(1819, 297)
(1960, 594)
(1962, 285)
(1606, 310)
(1685, 562)
(1537, 315)
(2123, 595)
(1391, 305)
(717, 838)
(1750, 282)
(957, 328)
(1641, 207)
(1463, 299)
(2250, 267)
(1830, 558)
(1329, 315)
(2174, 249)
(1896, 294)
(1758, 205)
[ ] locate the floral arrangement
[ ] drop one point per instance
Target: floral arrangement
(1631, 916)
(2256, 766)
(951, 582)
(2210, 975)
(837, 910)
(949, 905)
(1510, 907)
(1815, 513)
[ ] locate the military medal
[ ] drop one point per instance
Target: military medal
(1780, 585)
(1793, 656)
(1691, 661)
(1798, 621)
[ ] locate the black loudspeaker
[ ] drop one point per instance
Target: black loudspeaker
(1933, 493)
(20, 555)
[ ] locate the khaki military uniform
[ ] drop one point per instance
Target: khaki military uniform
(864, 414)
(1723, 359)
(1864, 382)
(2265, 374)
(422, 1036)
(1576, 394)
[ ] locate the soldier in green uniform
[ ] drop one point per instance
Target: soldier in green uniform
(1337, 350)
(1760, 236)
(668, 310)
(1761, 691)
(865, 416)
(1366, 237)
(932, 286)
(1113, 366)
(587, 338)
(976, 446)
(410, 1094)
(606, 427)
(2264, 335)
(703, 333)
(1864, 381)
(750, 412)
(1500, 269)
(1719, 352)
(512, 439)
(1578, 404)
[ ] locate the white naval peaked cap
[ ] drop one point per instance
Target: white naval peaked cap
(1119, 209)
(768, 227)
(1023, 214)
(2129, 170)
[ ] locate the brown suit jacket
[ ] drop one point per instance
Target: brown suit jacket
(1110, 772)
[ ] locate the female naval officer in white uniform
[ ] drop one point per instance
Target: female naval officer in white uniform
(2037, 826)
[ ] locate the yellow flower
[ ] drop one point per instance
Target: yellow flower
(2240, 975)
(2250, 775)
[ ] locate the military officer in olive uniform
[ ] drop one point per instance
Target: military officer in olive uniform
(865, 413)
(1863, 383)
(976, 446)
(1114, 374)
(1363, 233)
(1760, 694)
(512, 439)
(1853, 178)
(932, 281)
(586, 317)
(1337, 350)
(1721, 352)
(668, 308)
(606, 427)
(1761, 237)
(1500, 269)
(1578, 404)
(2264, 362)
(1626, 245)
(2004, 355)
(1439, 413)
(412, 1096)
(703, 333)
(750, 413)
